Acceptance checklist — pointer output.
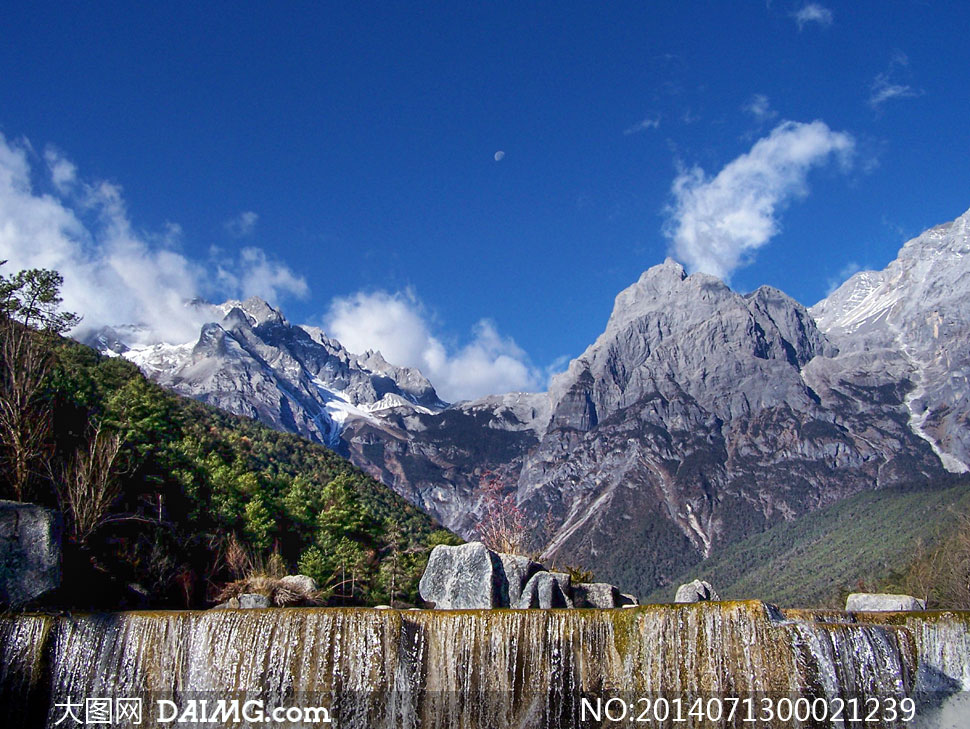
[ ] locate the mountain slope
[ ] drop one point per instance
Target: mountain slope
(816, 560)
(913, 316)
(691, 423)
(250, 361)
(698, 418)
(193, 496)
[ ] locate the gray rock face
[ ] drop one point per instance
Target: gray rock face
(472, 577)
(517, 570)
(30, 552)
(246, 601)
(872, 602)
(596, 595)
(467, 577)
(544, 591)
(699, 416)
(909, 322)
(249, 601)
(696, 591)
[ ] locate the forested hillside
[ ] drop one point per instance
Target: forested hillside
(166, 500)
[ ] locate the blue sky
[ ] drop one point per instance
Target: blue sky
(340, 159)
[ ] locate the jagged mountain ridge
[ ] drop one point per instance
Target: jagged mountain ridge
(698, 417)
(251, 361)
(914, 316)
(701, 416)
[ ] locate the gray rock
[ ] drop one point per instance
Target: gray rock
(30, 552)
(543, 591)
(248, 601)
(231, 604)
(517, 570)
(873, 602)
(467, 577)
(696, 591)
(565, 583)
(628, 600)
(596, 595)
(300, 583)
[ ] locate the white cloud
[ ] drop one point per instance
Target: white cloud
(883, 90)
(813, 13)
(63, 172)
(243, 225)
(113, 274)
(651, 122)
(715, 224)
(759, 107)
(254, 274)
(888, 86)
(397, 326)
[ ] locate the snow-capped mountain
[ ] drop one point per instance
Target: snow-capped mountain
(912, 320)
(698, 417)
(251, 361)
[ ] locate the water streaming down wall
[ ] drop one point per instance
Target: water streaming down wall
(483, 669)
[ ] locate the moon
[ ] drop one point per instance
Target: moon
(499, 156)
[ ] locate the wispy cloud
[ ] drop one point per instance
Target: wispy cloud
(398, 326)
(651, 122)
(253, 273)
(716, 223)
(242, 225)
(113, 273)
(813, 13)
(888, 85)
(62, 170)
(759, 107)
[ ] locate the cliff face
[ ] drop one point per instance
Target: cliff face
(476, 669)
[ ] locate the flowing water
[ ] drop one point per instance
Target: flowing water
(644, 667)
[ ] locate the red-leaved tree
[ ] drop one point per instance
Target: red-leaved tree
(504, 527)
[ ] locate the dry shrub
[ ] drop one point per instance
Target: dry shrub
(504, 527)
(280, 594)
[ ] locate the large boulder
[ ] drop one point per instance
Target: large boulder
(517, 571)
(473, 577)
(299, 583)
(595, 595)
(467, 577)
(875, 602)
(696, 591)
(544, 591)
(30, 552)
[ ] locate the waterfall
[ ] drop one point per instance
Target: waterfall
(482, 669)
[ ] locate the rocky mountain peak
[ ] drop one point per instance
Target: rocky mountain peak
(671, 333)
(258, 310)
(947, 239)
(914, 314)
